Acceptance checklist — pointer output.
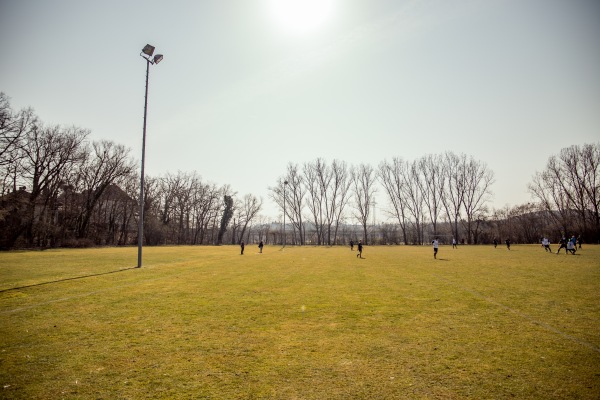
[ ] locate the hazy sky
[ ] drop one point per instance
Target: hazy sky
(247, 86)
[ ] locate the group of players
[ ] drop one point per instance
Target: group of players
(570, 245)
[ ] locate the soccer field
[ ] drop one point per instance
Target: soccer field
(300, 323)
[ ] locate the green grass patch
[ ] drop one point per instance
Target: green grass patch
(300, 323)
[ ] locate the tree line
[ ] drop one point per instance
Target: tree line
(422, 195)
(438, 195)
(58, 188)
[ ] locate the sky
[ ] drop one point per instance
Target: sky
(248, 86)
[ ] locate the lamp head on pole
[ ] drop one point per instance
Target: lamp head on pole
(148, 50)
(147, 53)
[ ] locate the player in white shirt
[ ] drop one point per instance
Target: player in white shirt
(546, 244)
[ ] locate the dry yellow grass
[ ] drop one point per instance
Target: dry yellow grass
(302, 323)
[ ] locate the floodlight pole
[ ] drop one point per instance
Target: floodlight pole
(141, 213)
(146, 54)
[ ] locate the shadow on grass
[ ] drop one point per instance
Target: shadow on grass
(65, 279)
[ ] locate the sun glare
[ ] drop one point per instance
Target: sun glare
(300, 17)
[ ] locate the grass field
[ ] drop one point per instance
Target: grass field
(302, 323)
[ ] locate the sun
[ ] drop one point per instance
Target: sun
(299, 17)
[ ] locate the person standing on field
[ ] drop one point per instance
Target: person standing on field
(546, 244)
(351, 245)
(360, 247)
(570, 247)
(242, 247)
(454, 246)
(260, 246)
(507, 244)
(563, 245)
(435, 244)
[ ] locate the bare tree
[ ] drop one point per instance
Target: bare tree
(248, 210)
(391, 175)
(337, 198)
(205, 201)
(328, 187)
(154, 232)
(454, 194)
(172, 194)
(106, 163)
(570, 184)
(125, 207)
(414, 192)
(188, 208)
(364, 178)
(590, 179)
(183, 206)
(317, 180)
(477, 182)
(548, 191)
(13, 129)
(431, 166)
(292, 185)
(48, 155)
